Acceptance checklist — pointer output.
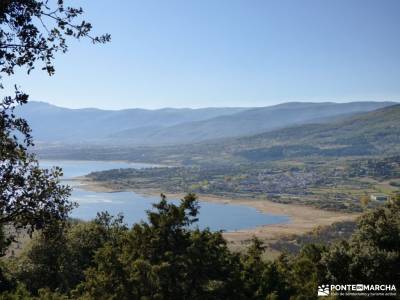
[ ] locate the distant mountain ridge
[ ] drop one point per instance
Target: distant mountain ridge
(57, 124)
(368, 134)
(52, 124)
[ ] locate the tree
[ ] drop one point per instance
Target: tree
(372, 255)
(31, 32)
(57, 257)
(34, 30)
(169, 258)
(253, 271)
(29, 196)
(165, 259)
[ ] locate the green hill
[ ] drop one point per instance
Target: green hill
(371, 133)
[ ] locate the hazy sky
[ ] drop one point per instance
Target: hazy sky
(198, 53)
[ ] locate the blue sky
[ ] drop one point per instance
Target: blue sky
(187, 53)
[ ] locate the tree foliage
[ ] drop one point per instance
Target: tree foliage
(56, 258)
(31, 32)
(373, 252)
(165, 259)
(168, 257)
(30, 197)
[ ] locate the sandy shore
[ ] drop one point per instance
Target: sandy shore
(302, 218)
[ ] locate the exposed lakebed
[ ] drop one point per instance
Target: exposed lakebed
(216, 216)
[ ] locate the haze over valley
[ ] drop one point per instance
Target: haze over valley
(52, 124)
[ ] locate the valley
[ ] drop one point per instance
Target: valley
(329, 169)
(329, 166)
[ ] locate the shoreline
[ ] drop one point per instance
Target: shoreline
(303, 219)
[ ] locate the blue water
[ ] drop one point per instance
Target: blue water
(216, 216)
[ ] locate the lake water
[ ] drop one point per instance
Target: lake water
(133, 206)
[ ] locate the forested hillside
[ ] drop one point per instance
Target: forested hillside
(370, 133)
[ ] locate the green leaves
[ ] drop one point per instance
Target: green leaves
(30, 197)
(373, 252)
(35, 30)
(166, 258)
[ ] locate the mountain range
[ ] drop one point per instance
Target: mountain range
(140, 127)
(373, 133)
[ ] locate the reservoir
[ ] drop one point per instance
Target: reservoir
(216, 216)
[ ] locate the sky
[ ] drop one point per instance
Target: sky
(203, 53)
